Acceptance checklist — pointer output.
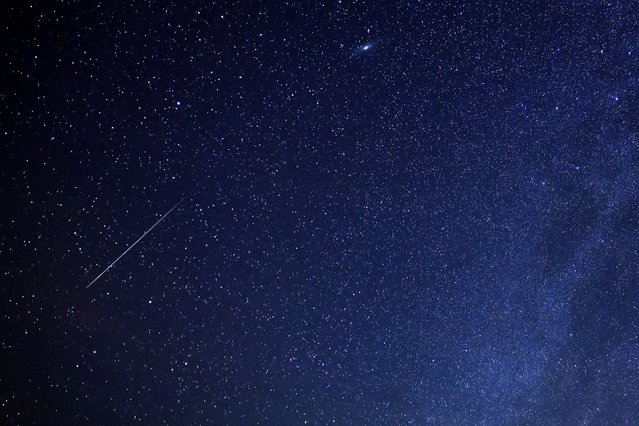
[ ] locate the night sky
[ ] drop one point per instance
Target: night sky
(411, 212)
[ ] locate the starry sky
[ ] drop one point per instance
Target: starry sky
(410, 212)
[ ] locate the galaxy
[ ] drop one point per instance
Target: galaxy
(334, 212)
(364, 48)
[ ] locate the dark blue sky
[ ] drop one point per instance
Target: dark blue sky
(394, 212)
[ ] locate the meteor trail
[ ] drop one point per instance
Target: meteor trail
(137, 241)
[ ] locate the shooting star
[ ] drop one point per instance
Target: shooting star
(137, 241)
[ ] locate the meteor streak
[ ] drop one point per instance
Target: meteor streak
(137, 241)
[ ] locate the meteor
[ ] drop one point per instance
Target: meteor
(137, 241)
